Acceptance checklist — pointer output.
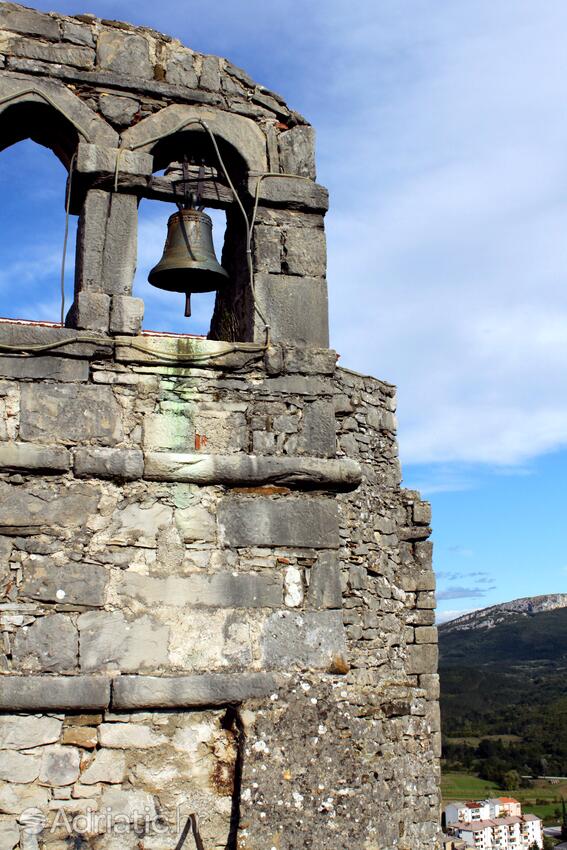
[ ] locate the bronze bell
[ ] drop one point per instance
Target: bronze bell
(189, 263)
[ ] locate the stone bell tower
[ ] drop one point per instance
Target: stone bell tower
(217, 601)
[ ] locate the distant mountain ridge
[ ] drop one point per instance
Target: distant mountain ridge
(488, 618)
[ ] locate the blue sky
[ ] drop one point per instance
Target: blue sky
(442, 136)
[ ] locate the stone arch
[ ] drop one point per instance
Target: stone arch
(238, 132)
(49, 114)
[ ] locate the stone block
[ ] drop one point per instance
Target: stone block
(62, 54)
(29, 22)
(47, 693)
(49, 645)
(425, 599)
(125, 464)
(168, 431)
(295, 308)
(44, 368)
(70, 414)
(36, 505)
(90, 311)
(240, 469)
(219, 590)
(139, 525)
(107, 766)
(25, 456)
(24, 336)
(124, 53)
(314, 640)
(59, 765)
(80, 736)
(17, 799)
(291, 192)
(220, 431)
(421, 658)
(430, 683)
(305, 523)
(305, 252)
(324, 589)
(119, 110)
(426, 634)
(91, 234)
(9, 833)
(195, 523)
(297, 151)
(109, 642)
(422, 513)
(180, 68)
(73, 583)
(77, 33)
(126, 315)
(25, 732)
(125, 736)
(18, 767)
(136, 692)
(268, 246)
(318, 435)
(424, 554)
(210, 74)
(119, 260)
(309, 361)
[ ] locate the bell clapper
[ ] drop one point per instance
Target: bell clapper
(187, 304)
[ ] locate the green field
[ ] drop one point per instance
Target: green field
(463, 786)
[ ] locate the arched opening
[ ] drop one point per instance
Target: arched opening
(33, 190)
(209, 190)
(33, 186)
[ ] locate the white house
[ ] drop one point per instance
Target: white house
(495, 824)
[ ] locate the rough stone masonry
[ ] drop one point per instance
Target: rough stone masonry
(216, 597)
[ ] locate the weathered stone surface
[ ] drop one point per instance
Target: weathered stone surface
(39, 368)
(40, 505)
(139, 525)
(64, 414)
(309, 361)
(324, 589)
(101, 162)
(278, 522)
(9, 833)
(106, 766)
(305, 251)
(295, 307)
(255, 590)
(318, 435)
(80, 736)
(15, 799)
(195, 523)
(422, 658)
(313, 640)
(302, 473)
(297, 151)
(26, 456)
(59, 765)
(124, 464)
(123, 53)
(75, 583)
(49, 645)
(109, 642)
(23, 733)
(180, 69)
(126, 313)
(90, 310)
(291, 192)
(19, 19)
(210, 74)
(119, 262)
(124, 736)
(118, 110)
(47, 693)
(134, 692)
(18, 767)
(77, 33)
(165, 431)
(63, 54)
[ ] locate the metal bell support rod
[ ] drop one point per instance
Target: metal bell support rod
(188, 263)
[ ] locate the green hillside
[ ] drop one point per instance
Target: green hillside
(504, 696)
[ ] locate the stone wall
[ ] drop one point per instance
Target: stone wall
(216, 597)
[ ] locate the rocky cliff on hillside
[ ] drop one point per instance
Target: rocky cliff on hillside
(488, 618)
